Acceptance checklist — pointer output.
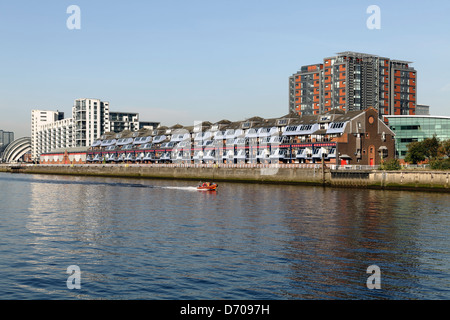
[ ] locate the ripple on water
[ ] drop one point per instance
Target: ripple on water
(144, 239)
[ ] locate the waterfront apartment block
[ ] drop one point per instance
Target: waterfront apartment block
(356, 137)
(38, 119)
(53, 135)
(91, 118)
(417, 128)
(354, 81)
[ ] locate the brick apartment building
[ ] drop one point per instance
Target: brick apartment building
(354, 81)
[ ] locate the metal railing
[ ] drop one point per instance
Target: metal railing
(193, 165)
(354, 167)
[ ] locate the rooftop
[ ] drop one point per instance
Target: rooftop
(417, 116)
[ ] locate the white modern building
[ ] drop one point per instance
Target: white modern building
(50, 136)
(91, 118)
(38, 119)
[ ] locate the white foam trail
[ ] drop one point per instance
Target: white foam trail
(182, 188)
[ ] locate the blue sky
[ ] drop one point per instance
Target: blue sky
(181, 61)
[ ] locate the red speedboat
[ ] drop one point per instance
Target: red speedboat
(207, 186)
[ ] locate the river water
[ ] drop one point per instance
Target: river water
(163, 239)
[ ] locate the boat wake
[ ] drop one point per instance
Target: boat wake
(181, 188)
(99, 183)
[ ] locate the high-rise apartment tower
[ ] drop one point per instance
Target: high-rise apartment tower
(354, 81)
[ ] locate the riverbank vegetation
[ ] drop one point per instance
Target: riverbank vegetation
(432, 151)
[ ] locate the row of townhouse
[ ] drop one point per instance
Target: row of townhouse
(337, 137)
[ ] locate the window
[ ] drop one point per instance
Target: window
(413, 127)
(337, 125)
(408, 140)
(291, 128)
(306, 127)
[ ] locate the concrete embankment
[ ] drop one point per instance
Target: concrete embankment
(374, 179)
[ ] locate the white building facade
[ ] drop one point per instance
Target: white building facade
(91, 118)
(38, 119)
(50, 136)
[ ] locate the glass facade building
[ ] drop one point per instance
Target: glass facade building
(409, 129)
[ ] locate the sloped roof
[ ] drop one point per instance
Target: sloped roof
(224, 121)
(176, 126)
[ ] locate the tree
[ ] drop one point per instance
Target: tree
(431, 147)
(427, 149)
(445, 148)
(416, 153)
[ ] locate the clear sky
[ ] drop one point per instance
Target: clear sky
(178, 61)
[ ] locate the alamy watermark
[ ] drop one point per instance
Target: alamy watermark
(74, 280)
(74, 20)
(374, 281)
(374, 20)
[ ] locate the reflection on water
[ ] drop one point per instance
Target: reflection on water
(148, 239)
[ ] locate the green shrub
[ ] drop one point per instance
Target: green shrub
(441, 164)
(392, 164)
(427, 149)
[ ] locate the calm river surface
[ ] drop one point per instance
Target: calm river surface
(157, 239)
